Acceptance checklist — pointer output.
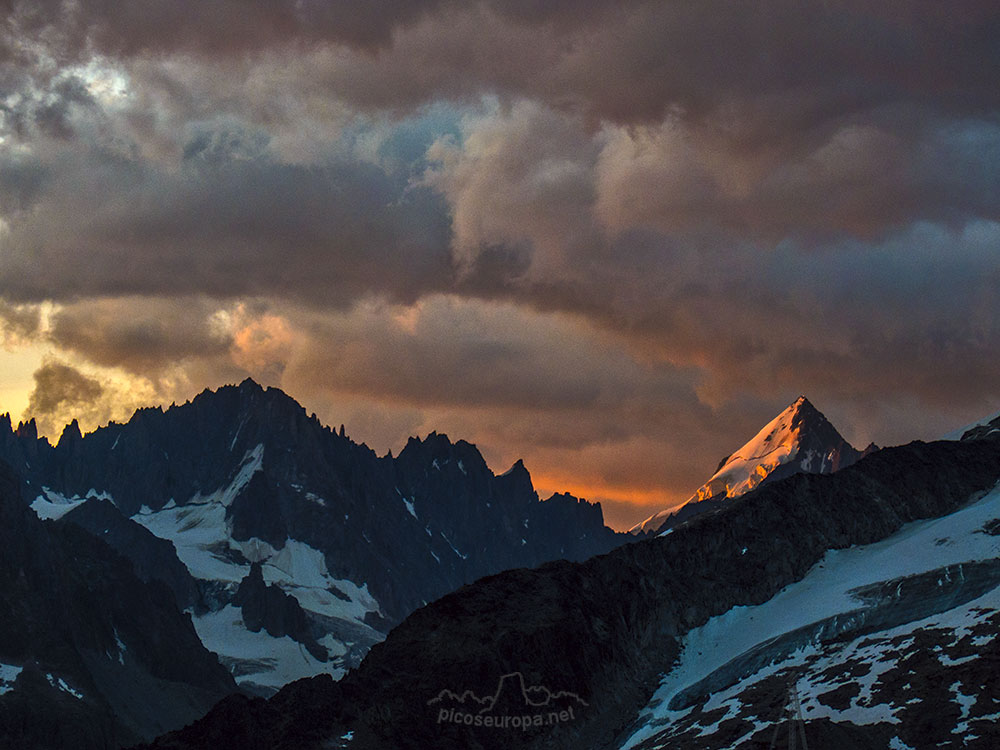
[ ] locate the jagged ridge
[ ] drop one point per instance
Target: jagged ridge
(244, 475)
(608, 627)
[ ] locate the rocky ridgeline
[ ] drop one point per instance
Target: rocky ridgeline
(607, 628)
(292, 548)
(412, 527)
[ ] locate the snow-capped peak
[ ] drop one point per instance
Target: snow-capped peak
(800, 438)
(778, 443)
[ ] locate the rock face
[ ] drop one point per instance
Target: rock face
(90, 655)
(244, 476)
(152, 558)
(617, 631)
(799, 439)
(269, 608)
(987, 428)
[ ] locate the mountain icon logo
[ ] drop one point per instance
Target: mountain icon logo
(513, 704)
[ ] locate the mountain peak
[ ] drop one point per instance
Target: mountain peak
(71, 434)
(799, 439)
(27, 429)
(805, 407)
(800, 434)
(802, 404)
(250, 384)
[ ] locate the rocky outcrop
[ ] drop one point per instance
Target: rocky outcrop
(152, 558)
(990, 428)
(605, 629)
(271, 609)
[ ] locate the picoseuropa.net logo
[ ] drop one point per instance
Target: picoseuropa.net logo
(513, 705)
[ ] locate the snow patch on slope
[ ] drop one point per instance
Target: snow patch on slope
(8, 674)
(957, 434)
(825, 591)
(60, 684)
(300, 570)
(259, 658)
(773, 446)
(200, 535)
(780, 442)
(203, 540)
(455, 549)
(51, 505)
(198, 528)
(407, 502)
(252, 462)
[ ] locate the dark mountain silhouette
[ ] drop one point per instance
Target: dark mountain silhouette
(93, 656)
(609, 628)
(348, 542)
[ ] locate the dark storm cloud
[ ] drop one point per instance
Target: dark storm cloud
(210, 26)
(867, 177)
(18, 322)
(221, 226)
(58, 386)
(840, 298)
(140, 334)
(913, 316)
(63, 392)
(656, 222)
(215, 27)
(772, 276)
(750, 68)
(818, 57)
(53, 117)
(446, 352)
(853, 118)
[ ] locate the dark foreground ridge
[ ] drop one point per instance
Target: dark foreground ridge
(605, 629)
(93, 656)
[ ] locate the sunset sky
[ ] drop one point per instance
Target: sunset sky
(612, 238)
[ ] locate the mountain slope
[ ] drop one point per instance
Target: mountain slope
(875, 639)
(90, 656)
(799, 439)
(981, 429)
(607, 629)
(243, 477)
(152, 558)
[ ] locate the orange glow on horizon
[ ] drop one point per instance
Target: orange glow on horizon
(646, 500)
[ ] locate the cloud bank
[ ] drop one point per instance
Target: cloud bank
(613, 238)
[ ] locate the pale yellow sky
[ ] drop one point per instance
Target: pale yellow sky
(16, 368)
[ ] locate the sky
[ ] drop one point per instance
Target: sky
(613, 238)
